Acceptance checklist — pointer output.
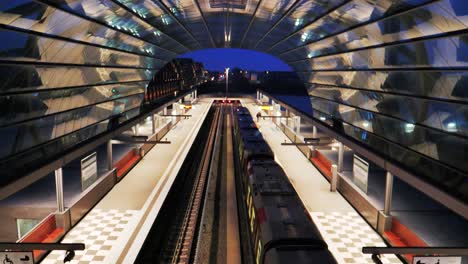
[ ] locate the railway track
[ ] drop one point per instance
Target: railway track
(172, 238)
(180, 244)
(185, 243)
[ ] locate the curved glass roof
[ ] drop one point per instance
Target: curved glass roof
(392, 71)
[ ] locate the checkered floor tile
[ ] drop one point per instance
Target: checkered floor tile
(346, 233)
(99, 230)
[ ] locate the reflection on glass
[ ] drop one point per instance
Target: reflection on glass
(445, 177)
(436, 114)
(32, 133)
(428, 142)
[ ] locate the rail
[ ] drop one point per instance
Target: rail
(439, 251)
(27, 246)
(182, 252)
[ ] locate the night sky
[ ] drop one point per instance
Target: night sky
(219, 59)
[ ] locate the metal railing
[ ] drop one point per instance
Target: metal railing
(428, 251)
(26, 246)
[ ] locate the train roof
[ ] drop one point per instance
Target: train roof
(269, 178)
(282, 212)
(257, 146)
(249, 132)
(244, 118)
(243, 125)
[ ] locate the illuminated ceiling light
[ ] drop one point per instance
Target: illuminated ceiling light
(304, 36)
(323, 118)
(298, 22)
(409, 128)
(452, 127)
(365, 124)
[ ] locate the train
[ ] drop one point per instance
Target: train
(281, 230)
(176, 76)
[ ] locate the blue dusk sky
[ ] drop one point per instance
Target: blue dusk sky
(219, 59)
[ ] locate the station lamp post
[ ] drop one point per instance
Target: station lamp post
(227, 81)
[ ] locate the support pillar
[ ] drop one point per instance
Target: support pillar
(388, 193)
(385, 218)
(340, 156)
(175, 111)
(59, 190)
(110, 164)
(334, 179)
(136, 129)
(297, 124)
(258, 95)
(314, 131)
(153, 123)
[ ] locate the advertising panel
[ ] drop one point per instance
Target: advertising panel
(88, 171)
(360, 172)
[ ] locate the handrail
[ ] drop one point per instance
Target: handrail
(68, 247)
(27, 246)
(417, 250)
(377, 251)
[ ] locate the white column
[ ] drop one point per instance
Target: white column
(334, 179)
(388, 193)
(136, 129)
(59, 190)
(298, 124)
(175, 111)
(153, 122)
(340, 156)
(110, 164)
(314, 131)
(277, 112)
(258, 95)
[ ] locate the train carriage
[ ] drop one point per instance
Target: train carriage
(282, 231)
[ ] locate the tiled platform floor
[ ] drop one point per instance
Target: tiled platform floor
(100, 231)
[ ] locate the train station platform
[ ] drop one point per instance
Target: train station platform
(114, 230)
(342, 227)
